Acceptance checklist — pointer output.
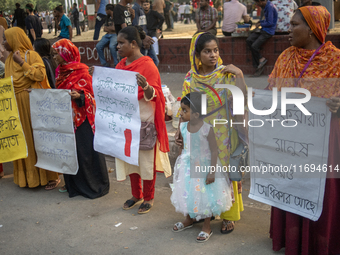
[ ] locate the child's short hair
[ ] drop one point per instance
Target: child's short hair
(193, 100)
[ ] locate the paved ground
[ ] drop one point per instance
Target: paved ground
(35, 221)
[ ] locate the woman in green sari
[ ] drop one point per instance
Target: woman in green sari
(207, 71)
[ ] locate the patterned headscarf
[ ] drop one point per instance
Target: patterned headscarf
(75, 76)
(194, 61)
(318, 19)
(67, 50)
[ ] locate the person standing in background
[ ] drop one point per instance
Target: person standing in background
(82, 20)
(158, 6)
(33, 24)
(100, 16)
(75, 15)
(187, 13)
(181, 11)
(123, 15)
(48, 21)
(19, 17)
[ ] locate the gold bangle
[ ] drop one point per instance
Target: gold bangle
(146, 87)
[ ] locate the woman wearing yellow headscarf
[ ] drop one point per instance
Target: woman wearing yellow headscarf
(207, 71)
(28, 71)
(317, 63)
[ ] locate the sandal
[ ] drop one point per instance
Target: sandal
(145, 206)
(180, 227)
(63, 189)
(52, 184)
(131, 203)
(205, 235)
(225, 224)
(262, 64)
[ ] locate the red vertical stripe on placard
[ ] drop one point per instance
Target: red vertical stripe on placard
(128, 139)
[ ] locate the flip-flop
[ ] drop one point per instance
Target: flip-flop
(180, 227)
(205, 235)
(52, 184)
(226, 225)
(63, 189)
(131, 203)
(146, 206)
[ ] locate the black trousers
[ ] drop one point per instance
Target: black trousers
(167, 20)
(76, 24)
(254, 42)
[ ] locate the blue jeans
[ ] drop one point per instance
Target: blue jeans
(98, 26)
(111, 40)
(151, 53)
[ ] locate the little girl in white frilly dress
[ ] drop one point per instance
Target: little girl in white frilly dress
(198, 192)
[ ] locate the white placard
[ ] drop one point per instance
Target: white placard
(297, 150)
(117, 115)
(53, 132)
(90, 9)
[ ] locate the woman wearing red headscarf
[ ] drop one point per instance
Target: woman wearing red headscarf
(152, 109)
(92, 179)
(307, 34)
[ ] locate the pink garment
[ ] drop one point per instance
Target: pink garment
(233, 12)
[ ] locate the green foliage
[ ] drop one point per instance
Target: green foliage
(40, 5)
(52, 4)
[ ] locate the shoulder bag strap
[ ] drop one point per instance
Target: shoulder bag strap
(308, 63)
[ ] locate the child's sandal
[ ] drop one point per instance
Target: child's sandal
(180, 227)
(204, 235)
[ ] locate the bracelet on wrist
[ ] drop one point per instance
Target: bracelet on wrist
(146, 87)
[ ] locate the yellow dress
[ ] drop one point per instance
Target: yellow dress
(31, 74)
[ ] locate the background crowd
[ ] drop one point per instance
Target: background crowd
(34, 63)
